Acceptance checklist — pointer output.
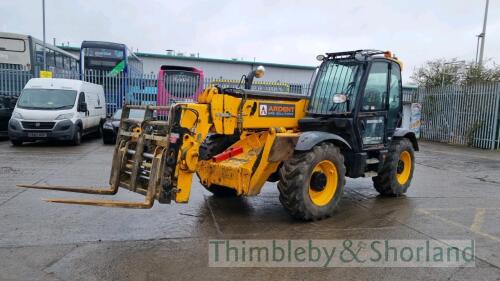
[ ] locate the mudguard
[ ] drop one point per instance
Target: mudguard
(405, 133)
(308, 140)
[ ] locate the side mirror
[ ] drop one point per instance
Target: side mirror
(82, 107)
(339, 98)
(257, 73)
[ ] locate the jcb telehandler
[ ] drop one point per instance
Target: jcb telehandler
(236, 139)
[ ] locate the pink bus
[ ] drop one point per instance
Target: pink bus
(179, 84)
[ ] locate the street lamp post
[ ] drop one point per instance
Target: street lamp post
(483, 34)
(44, 46)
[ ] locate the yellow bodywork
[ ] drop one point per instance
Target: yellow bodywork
(266, 140)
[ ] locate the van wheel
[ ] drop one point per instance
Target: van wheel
(16, 142)
(77, 137)
(99, 131)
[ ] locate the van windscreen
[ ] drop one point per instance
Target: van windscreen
(51, 99)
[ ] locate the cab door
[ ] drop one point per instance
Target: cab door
(372, 114)
(395, 111)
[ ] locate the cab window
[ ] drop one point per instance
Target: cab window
(394, 96)
(375, 94)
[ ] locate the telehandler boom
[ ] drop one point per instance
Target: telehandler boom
(236, 139)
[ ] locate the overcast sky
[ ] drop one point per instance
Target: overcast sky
(292, 32)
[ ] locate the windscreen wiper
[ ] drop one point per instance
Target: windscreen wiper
(61, 107)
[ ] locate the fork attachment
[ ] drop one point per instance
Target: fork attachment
(138, 162)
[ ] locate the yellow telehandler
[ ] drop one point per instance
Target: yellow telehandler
(236, 139)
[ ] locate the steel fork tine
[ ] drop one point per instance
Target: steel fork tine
(118, 159)
(102, 191)
(147, 204)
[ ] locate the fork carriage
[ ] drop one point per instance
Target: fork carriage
(138, 160)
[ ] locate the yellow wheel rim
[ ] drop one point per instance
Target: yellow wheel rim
(404, 167)
(324, 196)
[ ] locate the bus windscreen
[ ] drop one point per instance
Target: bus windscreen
(182, 84)
(12, 45)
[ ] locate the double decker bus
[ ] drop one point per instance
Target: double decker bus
(111, 65)
(21, 58)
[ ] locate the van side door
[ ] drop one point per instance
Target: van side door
(83, 115)
(91, 98)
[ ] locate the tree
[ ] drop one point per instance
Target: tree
(441, 72)
(476, 73)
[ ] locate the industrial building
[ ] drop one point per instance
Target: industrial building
(222, 68)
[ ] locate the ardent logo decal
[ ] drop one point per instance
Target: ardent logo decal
(276, 110)
(263, 110)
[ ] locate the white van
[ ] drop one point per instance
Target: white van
(57, 109)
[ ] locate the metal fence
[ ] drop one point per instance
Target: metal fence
(464, 115)
(12, 81)
(138, 89)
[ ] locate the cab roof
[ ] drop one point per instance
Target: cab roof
(364, 54)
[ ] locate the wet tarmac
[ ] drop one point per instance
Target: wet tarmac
(455, 194)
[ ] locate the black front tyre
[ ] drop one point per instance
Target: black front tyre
(312, 182)
(397, 171)
(213, 145)
(16, 142)
(77, 136)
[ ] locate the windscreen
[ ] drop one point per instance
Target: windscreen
(12, 45)
(136, 114)
(182, 84)
(335, 77)
(50, 99)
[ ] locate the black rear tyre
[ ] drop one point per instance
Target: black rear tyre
(221, 191)
(312, 182)
(99, 132)
(397, 172)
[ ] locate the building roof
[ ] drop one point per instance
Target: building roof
(202, 59)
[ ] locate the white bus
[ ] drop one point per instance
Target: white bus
(24, 52)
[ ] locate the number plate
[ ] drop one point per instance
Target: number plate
(37, 135)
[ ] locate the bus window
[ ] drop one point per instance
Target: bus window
(59, 60)
(67, 64)
(39, 54)
(50, 56)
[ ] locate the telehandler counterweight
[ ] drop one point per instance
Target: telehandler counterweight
(236, 139)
